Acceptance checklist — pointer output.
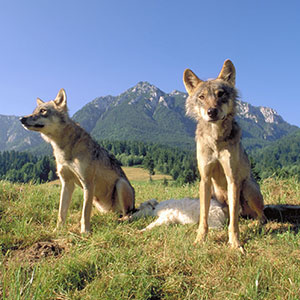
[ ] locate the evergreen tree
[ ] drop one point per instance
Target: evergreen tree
(149, 164)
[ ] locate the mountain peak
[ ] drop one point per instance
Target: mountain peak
(270, 115)
(144, 87)
(259, 114)
(178, 93)
(145, 113)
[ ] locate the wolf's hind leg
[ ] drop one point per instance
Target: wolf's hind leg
(254, 200)
(124, 196)
(162, 220)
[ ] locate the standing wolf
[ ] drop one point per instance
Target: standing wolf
(222, 161)
(80, 160)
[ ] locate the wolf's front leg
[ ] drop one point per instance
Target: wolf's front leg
(205, 195)
(64, 203)
(88, 191)
(233, 229)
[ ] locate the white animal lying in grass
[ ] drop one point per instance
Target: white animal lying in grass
(181, 211)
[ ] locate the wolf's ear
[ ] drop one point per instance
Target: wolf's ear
(190, 80)
(61, 99)
(228, 72)
(39, 101)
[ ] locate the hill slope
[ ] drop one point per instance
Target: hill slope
(281, 158)
(145, 113)
(14, 137)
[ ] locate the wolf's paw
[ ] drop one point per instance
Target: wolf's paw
(200, 239)
(263, 220)
(85, 234)
(85, 230)
(125, 218)
(241, 250)
(201, 235)
(236, 245)
(58, 228)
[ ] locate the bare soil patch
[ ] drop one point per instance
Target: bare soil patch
(37, 252)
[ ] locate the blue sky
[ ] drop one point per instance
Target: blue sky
(97, 48)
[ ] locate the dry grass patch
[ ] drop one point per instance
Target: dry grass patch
(140, 174)
(281, 191)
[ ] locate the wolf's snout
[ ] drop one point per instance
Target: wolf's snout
(23, 120)
(212, 112)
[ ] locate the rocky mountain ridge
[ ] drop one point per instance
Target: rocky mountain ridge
(146, 113)
(258, 114)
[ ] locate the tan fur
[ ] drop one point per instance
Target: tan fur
(223, 164)
(80, 160)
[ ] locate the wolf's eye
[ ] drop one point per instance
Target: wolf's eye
(220, 94)
(43, 111)
(201, 97)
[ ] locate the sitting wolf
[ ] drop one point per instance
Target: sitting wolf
(80, 160)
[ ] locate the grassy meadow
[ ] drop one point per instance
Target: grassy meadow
(118, 262)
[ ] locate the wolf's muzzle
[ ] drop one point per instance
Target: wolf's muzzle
(27, 125)
(23, 120)
(212, 112)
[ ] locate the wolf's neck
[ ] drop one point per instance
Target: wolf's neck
(65, 138)
(222, 131)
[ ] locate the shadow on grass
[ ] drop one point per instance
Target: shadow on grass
(281, 218)
(283, 213)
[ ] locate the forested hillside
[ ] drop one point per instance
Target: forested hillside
(178, 163)
(281, 158)
(25, 167)
(146, 113)
(181, 165)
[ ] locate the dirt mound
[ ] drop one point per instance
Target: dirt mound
(38, 251)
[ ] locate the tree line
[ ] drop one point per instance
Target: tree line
(26, 167)
(281, 159)
(181, 165)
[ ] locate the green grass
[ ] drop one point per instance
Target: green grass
(118, 262)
